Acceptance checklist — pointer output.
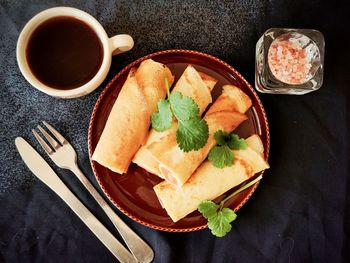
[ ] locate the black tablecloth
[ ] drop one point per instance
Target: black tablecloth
(300, 212)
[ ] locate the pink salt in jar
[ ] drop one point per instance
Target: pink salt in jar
(289, 61)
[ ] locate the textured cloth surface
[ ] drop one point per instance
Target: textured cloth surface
(300, 212)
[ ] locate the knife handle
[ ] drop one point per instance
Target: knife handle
(101, 232)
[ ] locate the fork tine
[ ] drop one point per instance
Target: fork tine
(55, 133)
(43, 144)
(48, 137)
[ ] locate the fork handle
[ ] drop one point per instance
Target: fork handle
(139, 248)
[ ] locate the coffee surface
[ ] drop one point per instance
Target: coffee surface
(64, 53)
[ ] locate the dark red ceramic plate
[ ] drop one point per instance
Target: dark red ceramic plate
(132, 193)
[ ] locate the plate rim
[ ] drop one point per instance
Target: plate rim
(251, 189)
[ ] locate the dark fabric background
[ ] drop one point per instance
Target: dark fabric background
(301, 211)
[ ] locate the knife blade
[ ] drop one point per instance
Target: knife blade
(41, 169)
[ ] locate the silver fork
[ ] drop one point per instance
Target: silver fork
(64, 156)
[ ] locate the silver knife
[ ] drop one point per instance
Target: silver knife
(41, 169)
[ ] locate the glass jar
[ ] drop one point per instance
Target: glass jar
(289, 61)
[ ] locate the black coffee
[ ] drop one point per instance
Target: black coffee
(64, 53)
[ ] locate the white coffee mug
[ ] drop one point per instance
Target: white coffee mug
(111, 46)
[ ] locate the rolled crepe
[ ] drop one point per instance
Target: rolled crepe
(128, 123)
(196, 85)
(175, 165)
(209, 182)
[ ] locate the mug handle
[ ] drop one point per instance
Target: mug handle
(121, 43)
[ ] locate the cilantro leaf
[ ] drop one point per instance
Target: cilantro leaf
(229, 214)
(192, 134)
(236, 143)
(221, 156)
(183, 107)
(222, 137)
(162, 119)
(220, 223)
(219, 217)
(231, 140)
(208, 209)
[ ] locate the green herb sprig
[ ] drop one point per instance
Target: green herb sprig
(220, 217)
(192, 132)
(221, 155)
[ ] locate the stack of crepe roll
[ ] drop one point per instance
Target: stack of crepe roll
(188, 178)
(128, 123)
(209, 182)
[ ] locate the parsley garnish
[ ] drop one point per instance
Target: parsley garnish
(222, 155)
(236, 143)
(162, 120)
(220, 217)
(183, 107)
(192, 132)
